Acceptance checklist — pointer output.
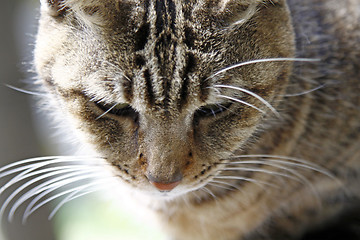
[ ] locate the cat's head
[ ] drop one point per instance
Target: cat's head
(165, 90)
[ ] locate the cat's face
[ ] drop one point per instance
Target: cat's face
(141, 80)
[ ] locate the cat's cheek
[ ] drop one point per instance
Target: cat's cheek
(215, 139)
(109, 136)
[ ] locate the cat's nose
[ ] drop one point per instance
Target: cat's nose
(164, 185)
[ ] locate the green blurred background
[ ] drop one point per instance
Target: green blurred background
(91, 217)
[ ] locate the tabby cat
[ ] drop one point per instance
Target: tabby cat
(239, 119)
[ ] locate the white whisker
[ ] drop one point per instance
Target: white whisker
(245, 199)
(32, 207)
(42, 187)
(107, 111)
(119, 70)
(227, 184)
(305, 92)
(303, 163)
(272, 173)
(25, 91)
(257, 182)
(219, 186)
(300, 178)
(266, 103)
(45, 161)
(30, 173)
(242, 102)
(300, 165)
(275, 157)
(76, 194)
(196, 195)
(24, 162)
(19, 169)
(38, 169)
(23, 175)
(262, 61)
(209, 192)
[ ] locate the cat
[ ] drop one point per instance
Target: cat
(239, 119)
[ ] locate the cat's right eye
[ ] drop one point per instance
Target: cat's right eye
(119, 109)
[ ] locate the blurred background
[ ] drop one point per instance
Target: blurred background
(91, 217)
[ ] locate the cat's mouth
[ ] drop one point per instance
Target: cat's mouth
(175, 192)
(176, 186)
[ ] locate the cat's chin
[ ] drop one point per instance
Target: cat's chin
(167, 196)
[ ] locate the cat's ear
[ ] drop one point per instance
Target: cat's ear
(54, 8)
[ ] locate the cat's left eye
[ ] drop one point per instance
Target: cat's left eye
(211, 110)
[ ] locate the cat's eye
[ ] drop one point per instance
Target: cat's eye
(211, 110)
(119, 109)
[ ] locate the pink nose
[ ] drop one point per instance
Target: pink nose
(165, 186)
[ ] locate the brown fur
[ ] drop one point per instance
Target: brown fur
(163, 57)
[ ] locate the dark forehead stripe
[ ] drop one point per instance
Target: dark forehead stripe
(165, 15)
(161, 19)
(149, 87)
(165, 33)
(143, 33)
(142, 36)
(189, 68)
(164, 44)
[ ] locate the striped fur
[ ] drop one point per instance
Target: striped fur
(154, 88)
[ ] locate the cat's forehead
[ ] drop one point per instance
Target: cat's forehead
(165, 53)
(199, 10)
(163, 60)
(209, 3)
